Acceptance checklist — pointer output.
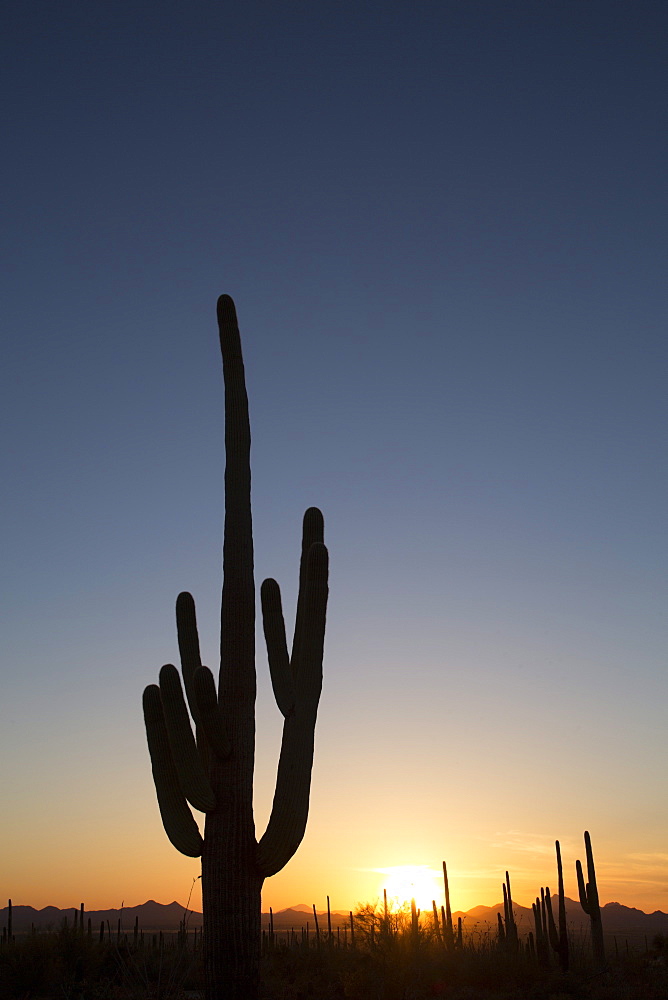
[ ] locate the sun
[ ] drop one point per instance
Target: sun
(405, 882)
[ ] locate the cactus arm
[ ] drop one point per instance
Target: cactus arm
(277, 649)
(188, 639)
(177, 819)
(582, 889)
(191, 661)
(194, 782)
(289, 813)
(307, 664)
(313, 531)
(212, 725)
(592, 886)
(201, 695)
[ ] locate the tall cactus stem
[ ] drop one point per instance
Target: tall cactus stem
(511, 927)
(448, 930)
(558, 938)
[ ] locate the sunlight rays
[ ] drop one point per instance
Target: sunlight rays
(405, 882)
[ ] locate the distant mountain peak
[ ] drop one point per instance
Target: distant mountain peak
(618, 907)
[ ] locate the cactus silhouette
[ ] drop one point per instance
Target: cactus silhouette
(511, 938)
(558, 938)
(448, 931)
(212, 769)
(539, 909)
(590, 904)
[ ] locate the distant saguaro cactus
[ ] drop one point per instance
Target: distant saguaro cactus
(448, 931)
(590, 904)
(558, 938)
(511, 938)
(539, 909)
(213, 769)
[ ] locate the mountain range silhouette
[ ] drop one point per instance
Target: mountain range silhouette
(622, 922)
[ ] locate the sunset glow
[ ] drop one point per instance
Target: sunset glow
(405, 882)
(442, 226)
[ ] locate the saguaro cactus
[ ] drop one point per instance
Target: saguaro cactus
(590, 904)
(448, 931)
(558, 938)
(511, 927)
(540, 923)
(213, 769)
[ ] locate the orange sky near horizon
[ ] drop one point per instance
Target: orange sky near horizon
(137, 863)
(94, 835)
(468, 888)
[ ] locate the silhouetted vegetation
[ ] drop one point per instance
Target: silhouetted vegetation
(213, 770)
(387, 957)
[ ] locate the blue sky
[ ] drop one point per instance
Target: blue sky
(443, 225)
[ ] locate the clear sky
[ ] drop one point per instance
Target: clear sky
(444, 227)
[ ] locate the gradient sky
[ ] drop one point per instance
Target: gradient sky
(444, 227)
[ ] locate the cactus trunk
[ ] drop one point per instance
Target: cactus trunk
(231, 905)
(231, 886)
